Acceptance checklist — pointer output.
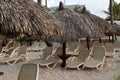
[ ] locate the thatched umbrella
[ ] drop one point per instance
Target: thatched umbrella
(26, 17)
(114, 31)
(75, 26)
(101, 23)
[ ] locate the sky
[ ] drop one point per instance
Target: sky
(94, 6)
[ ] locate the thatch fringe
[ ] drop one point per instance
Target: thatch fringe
(114, 30)
(77, 25)
(26, 17)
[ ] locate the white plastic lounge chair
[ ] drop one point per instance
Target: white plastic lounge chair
(37, 46)
(51, 59)
(28, 72)
(76, 62)
(83, 46)
(110, 50)
(8, 52)
(11, 45)
(8, 46)
(17, 55)
(96, 44)
(72, 47)
(46, 53)
(97, 59)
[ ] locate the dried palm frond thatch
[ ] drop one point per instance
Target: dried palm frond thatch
(103, 24)
(26, 17)
(77, 25)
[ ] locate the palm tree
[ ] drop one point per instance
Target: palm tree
(64, 1)
(115, 11)
(46, 3)
(111, 11)
(39, 2)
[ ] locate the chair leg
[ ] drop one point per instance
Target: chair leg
(78, 68)
(54, 64)
(83, 67)
(100, 67)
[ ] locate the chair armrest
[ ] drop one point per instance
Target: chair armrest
(49, 56)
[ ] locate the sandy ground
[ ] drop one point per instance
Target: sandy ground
(109, 72)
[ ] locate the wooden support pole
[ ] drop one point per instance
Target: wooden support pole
(63, 56)
(109, 38)
(88, 45)
(100, 40)
(113, 39)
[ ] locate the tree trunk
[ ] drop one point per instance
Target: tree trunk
(46, 3)
(64, 2)
(39, 2)
(111, 11)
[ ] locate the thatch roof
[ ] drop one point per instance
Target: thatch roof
(103, 24)
(25, 16)
(114, 30)
(77, 25)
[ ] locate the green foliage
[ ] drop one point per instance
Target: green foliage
(78, 9)
(56, 9)
(116, 11)
(117, 78)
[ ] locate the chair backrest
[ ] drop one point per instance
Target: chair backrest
(9, 52)
(42, 44)
(82, 46)
(9, 44)
(98, 52)
(97, 44)
(47, 52)
(28, 72)
(22, 50)
(109, 47)
(72, 46)
(16, 44)
(18, 51)
(83, 54)
(58, 52)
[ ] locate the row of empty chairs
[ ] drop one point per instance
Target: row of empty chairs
(49, 58)
(91, 59)
(12, 53)
(87, 58)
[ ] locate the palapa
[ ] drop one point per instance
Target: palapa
(114, 30)
(26, 17)
(77, 25)
(101, 23)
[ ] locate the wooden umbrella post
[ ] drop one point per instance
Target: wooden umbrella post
(109, 38)
(113, 39)
(63, 57)
(100, 40)
(88, 46)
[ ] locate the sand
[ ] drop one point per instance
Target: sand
(109, 72)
